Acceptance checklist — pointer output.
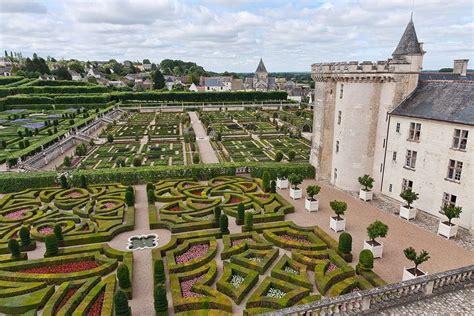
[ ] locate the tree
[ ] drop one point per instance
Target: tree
(159, 272)
(158, 80)
(121, 304)
(120, 162)
(377, 229)
(278, 156)
(282, 174)
(123, 276)
(313, 190)
(58, 232)
(83, 181)
(137, 161)
(67, 162)
(151, 196)
(266, 181)
(273, 186)
(217, 214)
(366, 181)
(62, 73)
(14, 248)
(339, 207)
(25, 236)
(150, 186)
(291, 155)
(295, 179)
(129, 198)
(409, 196)
(51, 245)
(240, 214)
(224, 224)
(345, 243)
(196, 158)
(366, 260)
(451, 211)
(411, 255)
(161, 302)
(63, 182)
(110, 138)
(248, 224)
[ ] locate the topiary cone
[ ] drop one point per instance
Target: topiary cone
(25, 236)
(51, 245)
(345, 243)
(366, 260)
(123, 276)
(14, 248)
(121, 304)
(159, 271)
(161, 302)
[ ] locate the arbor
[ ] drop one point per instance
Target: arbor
(377, 229)
(295, 179)
(313, 190)
(339, 207)
(451, 211)
(123, 276)
(158, 80)
(410, 254)
(409, 196)
(367, 182)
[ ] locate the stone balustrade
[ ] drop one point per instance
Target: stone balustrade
(377, 299)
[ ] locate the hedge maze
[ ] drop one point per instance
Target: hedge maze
(68, 280)
(269, 265)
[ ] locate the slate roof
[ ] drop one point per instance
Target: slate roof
(408, 44)
(213, 82)
(442, 101)
(261, 67)
(445, 76)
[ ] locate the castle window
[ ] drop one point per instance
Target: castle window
(415, 131)
(448, 200)
(397, 129)
(407, 185)
(335, 174)
(337, 146)
(454, 170)
(383, 146)
(390, 187)
(410, 161)
(394, 156)
(341, 93)
(460, 139)
(339, 117)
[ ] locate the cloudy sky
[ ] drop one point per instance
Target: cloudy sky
(233, 34)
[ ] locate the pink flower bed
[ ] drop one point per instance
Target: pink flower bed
(201, 205)
(263, 197)
(74, 194)
(68, 267)
(187, 285)
(45, 230)
(239, 241)
(331, 267)
(193, 252)
(109, 204)
(295, 239)
(356, 289)
(17, 214)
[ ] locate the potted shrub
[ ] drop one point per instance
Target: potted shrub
(412, 273)
(295, 180)
(375, 230)
(338, 223)
(311, 203)
(407, 211)
(446, 228)
(282, 179)
(366, 193)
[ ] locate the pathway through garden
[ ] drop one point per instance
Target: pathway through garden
(208, 154)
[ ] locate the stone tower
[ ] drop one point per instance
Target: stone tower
(351, 106)
(261, 77)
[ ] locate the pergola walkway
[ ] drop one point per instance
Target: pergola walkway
(208, 155)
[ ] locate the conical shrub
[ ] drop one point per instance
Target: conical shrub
(123, 276)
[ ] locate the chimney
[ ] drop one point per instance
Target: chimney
(460, 67)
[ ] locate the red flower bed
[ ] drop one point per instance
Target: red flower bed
(263, 197)
(193, 252)
(239, 241)
(17, 214)
(175, 209)
(96, 308)
(247, 185)
(69, 294)
(295, 239)
(234, 200)
(187, 285)
(67, 267)
(198, 193)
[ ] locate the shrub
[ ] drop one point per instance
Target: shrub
(129, 198)
(137, 161)
(451, 211)
(150, 186)
(120, 162)
(278, 156)
(377, 229)
(25, 236)
(409, 196)
(240, 214)
(366, 260)
(217, 214)
(411, 255)
(51, 245)
(339, 207)
(196, 158)
(161, 302)
(63, 182)
(123, 276)
(110, 138)
(14, 248)
(266, 181)
(282, 173)
(67, 162)
(224, 224)
(121, 304)
(151, 196)
(366, 181)
(295, 179)
(291, 155)
(273, 186)
(83, 181)
(159, 272)
(58, 232)
(248, 221)
(313, 190)
(345, 243)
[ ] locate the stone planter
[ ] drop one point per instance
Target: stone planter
(282, 183)
(446, 230)
(409, 274)
(337, 225)
(376, 248)
(296, 194)
(366, 195)
(407, 213)
(311, 206)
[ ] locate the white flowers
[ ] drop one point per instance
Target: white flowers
(256, 259)
(291, 270)
(236, 280)
(275, 293)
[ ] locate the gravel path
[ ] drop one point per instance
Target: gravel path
(206, 151)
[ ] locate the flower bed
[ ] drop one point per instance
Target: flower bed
(193, 252)
(67, 296)
(47, 230)
(235, 200)
(236, 280)
(275, 293)
(239, 241)
(256, 259)
(96, 308)
(17, 214)
(75, 194)
(68, 267)
(331, 267)
(188, 284)
(290, 270)
(295, 239)
(109, 204)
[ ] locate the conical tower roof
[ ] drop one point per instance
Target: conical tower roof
(408, 44)
(261, 67)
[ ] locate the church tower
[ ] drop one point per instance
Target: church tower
(261, 77)
(351, 106)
